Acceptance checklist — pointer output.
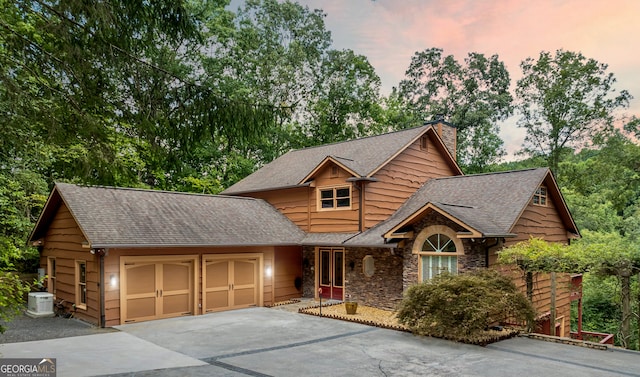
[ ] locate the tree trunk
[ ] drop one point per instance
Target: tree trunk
(625, 277)
(529, 279)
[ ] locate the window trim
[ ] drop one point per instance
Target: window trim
(334, 198)
(541, 197)
(424, 143)
(429, 231)
(81, 285)
(51, 275)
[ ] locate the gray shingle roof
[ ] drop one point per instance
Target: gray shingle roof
(111, 217)
(363, 156)
(489, 203)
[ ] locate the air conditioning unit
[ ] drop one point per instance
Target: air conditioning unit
(40, 304)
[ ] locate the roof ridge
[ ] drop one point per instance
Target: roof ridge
(489, 173)
(358, 139)
(139, 189)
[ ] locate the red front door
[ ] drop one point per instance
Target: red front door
(331, 277)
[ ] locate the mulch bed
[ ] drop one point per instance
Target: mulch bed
(387, 319)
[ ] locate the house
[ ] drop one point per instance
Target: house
(364, 219)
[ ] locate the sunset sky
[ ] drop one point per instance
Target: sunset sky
(389, 32)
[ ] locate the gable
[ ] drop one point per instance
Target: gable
(361, 157)
(488, 205)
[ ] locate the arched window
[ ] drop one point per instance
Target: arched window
(438, 251)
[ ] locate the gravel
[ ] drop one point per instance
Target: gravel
(24, 329)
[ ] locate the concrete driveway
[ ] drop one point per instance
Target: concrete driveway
(268, 342)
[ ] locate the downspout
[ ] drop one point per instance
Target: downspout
(359, 185)
(102, 310)
(101, 253)
(486, 257)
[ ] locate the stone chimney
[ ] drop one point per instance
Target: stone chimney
(446, 131)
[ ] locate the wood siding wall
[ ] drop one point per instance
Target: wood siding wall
(338, 220)
(63, 241)
(288, 262)
(293, 203)
(542, 222)
(400, 178)
(300, 204)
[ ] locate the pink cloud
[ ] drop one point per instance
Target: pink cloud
(390, 32)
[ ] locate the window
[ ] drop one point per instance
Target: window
(540, 197)
(81, 284)
(438, 255)
(368, 266)
(335, 198)
(424, 142)
(51, 275)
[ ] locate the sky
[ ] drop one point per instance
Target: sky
(389, 32)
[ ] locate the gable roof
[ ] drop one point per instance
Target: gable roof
(118, 217)
(487, 205)
(361, 157)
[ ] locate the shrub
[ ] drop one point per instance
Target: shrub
(12, 292)
(454, 306)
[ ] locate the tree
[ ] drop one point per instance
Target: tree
(473, 96)
(97, 80)
(280, 51)
(347, 103)
(565, 101)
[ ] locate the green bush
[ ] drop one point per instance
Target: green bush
(12, 292)
(454, 306)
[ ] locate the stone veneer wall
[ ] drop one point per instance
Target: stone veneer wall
(308, 272)
(384, 288)
(395, 271)
(475, 252)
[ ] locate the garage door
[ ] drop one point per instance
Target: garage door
(161, 287)
(231, 281)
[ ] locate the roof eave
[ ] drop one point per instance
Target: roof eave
(323, 163)
(168, 246)
(235, 193)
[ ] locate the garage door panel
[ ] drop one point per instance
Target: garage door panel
(244, 297)
(176, 305)
(217, 300)
(244, 272)
(141, 279)
(141, 308)
(217, 274)
(176, 276)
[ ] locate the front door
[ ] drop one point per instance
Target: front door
(331, 277)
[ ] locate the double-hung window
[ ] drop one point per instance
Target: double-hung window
(51, 275)
(81, 284)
